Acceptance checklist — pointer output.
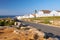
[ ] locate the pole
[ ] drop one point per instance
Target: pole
(35, 13)
(53, 18)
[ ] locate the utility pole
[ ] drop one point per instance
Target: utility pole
(35, 13)
(53, 18)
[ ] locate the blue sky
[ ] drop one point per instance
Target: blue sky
(22, 7)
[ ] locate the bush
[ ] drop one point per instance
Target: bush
(1, 23)
(6, 22)
(47, 22)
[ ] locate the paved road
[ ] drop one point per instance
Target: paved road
(45, 28)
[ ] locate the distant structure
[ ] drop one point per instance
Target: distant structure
(40, 13)
(45, 13)
(35, 13)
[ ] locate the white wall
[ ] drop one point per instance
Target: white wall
(52, 13)
(40, 14)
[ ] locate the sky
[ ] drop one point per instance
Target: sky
(22, 7)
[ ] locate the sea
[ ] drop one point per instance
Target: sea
(6, 16)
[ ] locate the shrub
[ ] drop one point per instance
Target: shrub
(6, 22)
(47, 22)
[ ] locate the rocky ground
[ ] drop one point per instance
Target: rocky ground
(25, 33)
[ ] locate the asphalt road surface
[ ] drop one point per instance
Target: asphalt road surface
(45, 28)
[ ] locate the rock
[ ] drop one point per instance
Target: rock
(25, 33)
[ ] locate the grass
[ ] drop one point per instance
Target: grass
(46, 19)
(43, 18)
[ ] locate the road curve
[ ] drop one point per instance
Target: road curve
(45, 28)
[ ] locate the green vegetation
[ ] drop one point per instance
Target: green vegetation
(46, 20)
(6, 22)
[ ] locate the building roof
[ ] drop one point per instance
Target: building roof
(58, 11)
(46, 11)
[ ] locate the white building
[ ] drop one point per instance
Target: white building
(41, 13)
(45, 13)
(25, 16)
